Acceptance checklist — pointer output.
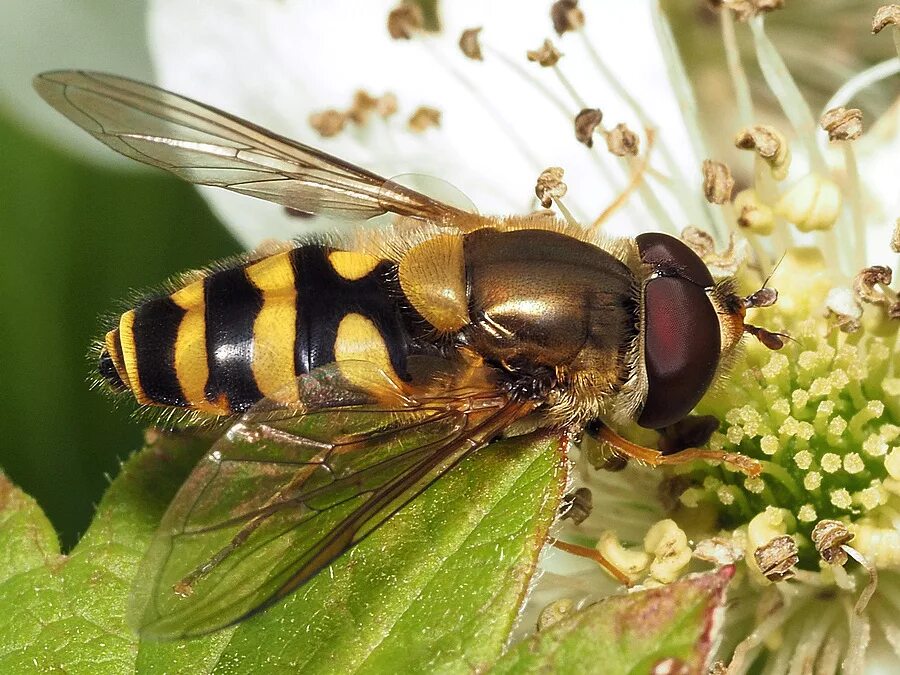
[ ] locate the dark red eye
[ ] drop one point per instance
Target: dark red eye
(682, 340)
(671, 257)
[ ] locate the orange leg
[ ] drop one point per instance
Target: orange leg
(596, 556)
(651, 457)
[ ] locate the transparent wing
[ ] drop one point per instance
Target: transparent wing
(288, 490)
(207, 146)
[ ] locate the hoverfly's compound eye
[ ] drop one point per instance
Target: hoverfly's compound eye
(682, 339)
(670, 257)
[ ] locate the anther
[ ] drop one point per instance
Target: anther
(771, 146)
(776, 560)
(566, 16)
(870, 282)
(363, 105)
(387, 106)
(622, 141)
(550, 186)
(469, 44)
(405, 21)
(546, 55)
(424, 118)
(586, 122)
(886, 15)
(842, 124)
(577, 505)
(328, 123)
(828, 537)
(842, 307)
(718, 182)
(744, 10)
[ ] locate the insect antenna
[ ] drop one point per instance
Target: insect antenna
(766, 297)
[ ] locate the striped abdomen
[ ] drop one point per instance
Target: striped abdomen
(222, 343)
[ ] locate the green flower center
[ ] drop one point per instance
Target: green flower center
(822, 415)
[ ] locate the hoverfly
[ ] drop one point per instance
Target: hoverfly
(356, 373)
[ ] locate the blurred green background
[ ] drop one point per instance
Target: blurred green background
(77, 238)
(79, 235)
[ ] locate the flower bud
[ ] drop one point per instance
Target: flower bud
(628, 561)
(814, 203)
(765, 526)
(752, 214)
(669, 546)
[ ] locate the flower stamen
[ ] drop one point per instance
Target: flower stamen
(785, 89)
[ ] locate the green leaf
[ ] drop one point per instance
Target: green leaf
(437, 588)
(27, 539)
(672, 627)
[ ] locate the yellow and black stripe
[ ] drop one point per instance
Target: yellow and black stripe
(220, 344)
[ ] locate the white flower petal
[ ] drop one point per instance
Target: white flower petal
(44, 35)
(878, 152)
(276, 62)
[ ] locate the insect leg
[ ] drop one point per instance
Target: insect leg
(652, 457)
(597, 557)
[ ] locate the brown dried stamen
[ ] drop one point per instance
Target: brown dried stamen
(623, 141)
(328, 123)
(546, 55)
(424, 118)
(770, 144)
(469, 44)
(777, 559)
(577, 505)
(718, 183)
(550, 186)
(842, 124)
(566, 16)
(829, 536)
(886, 15)
(405, 20)
(586, 122)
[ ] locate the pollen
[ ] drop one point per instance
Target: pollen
(769, 444)
(803, 459)
(812, 480)
(831, 462)
(756, 485)
(725, 495)
(841, 498)
(853, 463)
(871, 498)
(807, 514)
(875, 446)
